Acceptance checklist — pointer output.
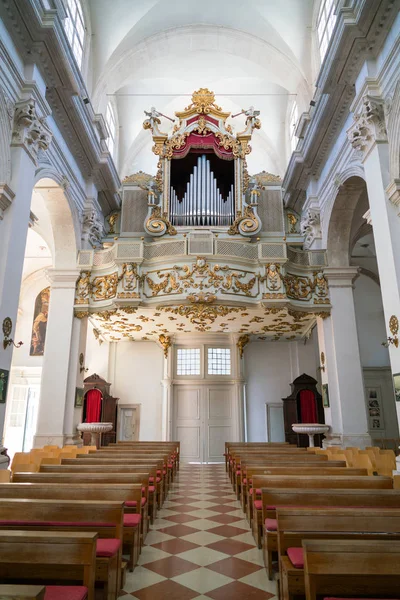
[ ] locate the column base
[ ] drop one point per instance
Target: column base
(359, 440)
(57, 440)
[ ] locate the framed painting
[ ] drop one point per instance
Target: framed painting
(39, 326)
(325, 395)
(396, 383)
(3, 385)
(79, 393)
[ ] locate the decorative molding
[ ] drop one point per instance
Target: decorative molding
(30, 131)
(310, 227)
(6, 198)
(92, 226)
(369, 126)
(157, 222)
(247, 223)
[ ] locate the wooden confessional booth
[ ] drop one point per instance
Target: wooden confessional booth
(99, 407)
(304, 405)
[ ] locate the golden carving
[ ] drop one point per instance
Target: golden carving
(112, 219)
(165, 341)
(245, 223)
(292, 220)
(83, 288)
(158, 222)
(140, 179)
(394, 325)
(203, 101)
(202, 276)
(80, 314)
(302, 288)
(271, 296)
(201, 127)
(206, 298)
(201, 314)
(105, 287)
(241, 343)
(265, 178)
(129, 276)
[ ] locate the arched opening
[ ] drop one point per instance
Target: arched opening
(350, 242)
(51, 244)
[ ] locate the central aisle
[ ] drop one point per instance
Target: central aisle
(200, 546)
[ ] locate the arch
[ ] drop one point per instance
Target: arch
(5, 140)
(63, 215)
(339, 233)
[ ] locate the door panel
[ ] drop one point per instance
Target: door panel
(187, 421)
(219, 420)
(189, 437)
(217, 436)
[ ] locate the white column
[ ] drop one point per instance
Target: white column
(72, 414)
(56, 360)
(337, 338)
(368, 134)
(15, 203)
(238, 372)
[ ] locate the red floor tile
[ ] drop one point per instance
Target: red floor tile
(239, 591)
(179, 530)
(173, 566)
(227, 531)
(176, 546)
(234, 567)
(180, 518)
(166, 590)
(223, 508)
(229, 546)
(224, 519)
(183, 508)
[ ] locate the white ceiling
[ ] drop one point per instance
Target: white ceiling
(165, 50)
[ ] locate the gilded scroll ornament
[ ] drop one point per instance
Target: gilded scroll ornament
(263, 178)
(201, 314)
(292, 222)
(112, 219)
(273, 277)
(105, 287)
(174, 143)
(203, 101)
(246, 222)
(129, 276)
(158, 223)
(241, 343)
(83, 288)
(166, 343)
(140, 179)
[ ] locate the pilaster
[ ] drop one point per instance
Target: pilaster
(56, 396)
(167, 391)
(337, 337)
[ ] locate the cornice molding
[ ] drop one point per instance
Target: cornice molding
(360, 31)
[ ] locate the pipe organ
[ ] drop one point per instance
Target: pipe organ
(202, 204)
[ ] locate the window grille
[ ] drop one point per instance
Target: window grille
(325, 25)
(188, 361)
(219, 361)
(75, 28)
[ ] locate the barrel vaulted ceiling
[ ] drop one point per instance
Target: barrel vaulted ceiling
(156, 52)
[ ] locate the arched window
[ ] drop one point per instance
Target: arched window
(325, 24)
(294, 117)
(75, 28)
(112, 128)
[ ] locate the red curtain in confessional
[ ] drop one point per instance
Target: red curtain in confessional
(308, 407)
(93, 406)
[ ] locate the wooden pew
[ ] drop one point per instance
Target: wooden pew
(305, 470)
(104, 518)
(296, 525)
(49, 555)
(129, 494)
(302, 497)
(312, 481)
(348, 568)
(22, 592)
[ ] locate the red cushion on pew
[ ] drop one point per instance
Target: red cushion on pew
(65, 592)
(152, 489)
(258, 504)
(107, 547)
(164, 472)
(133, 503)
(238, 473)
(143, 489)
(158, 479)
(170, 465)
(54, 524)
(271, 524)
(251, 491)
(132, 520)
(244, 480)
(159, 472)
(151, 479)
(296, 557)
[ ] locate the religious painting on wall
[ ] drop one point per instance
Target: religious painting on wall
(39, 326)
(3, 385)
(325, 395)
(374, 408)
(79, 393)
(396, 383)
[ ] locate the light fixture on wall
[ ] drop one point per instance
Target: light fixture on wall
(82, 367)
(394, 330)
(322, 365)
(7, 341)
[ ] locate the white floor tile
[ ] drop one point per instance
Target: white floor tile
(202, 580)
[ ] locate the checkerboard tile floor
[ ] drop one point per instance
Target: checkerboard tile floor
(200, 546)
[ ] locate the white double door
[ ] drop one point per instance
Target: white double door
(204, 418)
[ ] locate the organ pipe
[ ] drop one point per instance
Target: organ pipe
(202, 203)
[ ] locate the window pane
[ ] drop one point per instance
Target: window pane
(188, 361)
(75, 29)
(219, 361)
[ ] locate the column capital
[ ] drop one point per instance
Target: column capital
(30, 131)
(6, 198)
(369, 126)
(62, 278)
(393, 192)
(341, 277)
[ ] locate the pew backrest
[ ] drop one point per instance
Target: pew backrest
(316, 481)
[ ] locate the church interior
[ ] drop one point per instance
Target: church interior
(199, 299)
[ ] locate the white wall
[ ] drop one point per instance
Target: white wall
(270, 367)
(370, 323)
(138, 374)
(96, 357)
